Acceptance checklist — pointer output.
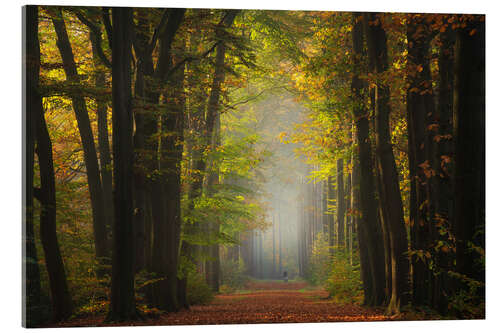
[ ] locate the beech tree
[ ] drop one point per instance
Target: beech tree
(122, 306)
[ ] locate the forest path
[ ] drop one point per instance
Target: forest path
(273, 302)
(269, 301)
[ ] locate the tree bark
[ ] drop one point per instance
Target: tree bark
(370, 242)
(331, 220)
(170, 165)
(158, 183)
(31, 74)
(61, 299)
(87, 139)
(354, 192)
(420, 109)
(444, 204)
(103, 140)
(469, 136)
(377, 50)
(340, 204)
(122, 306)
(142, 165)
(348, 217)
(213, 263)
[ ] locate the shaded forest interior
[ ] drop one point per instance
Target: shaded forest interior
(176, 154)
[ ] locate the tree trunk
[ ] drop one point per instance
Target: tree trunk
(331, 220)
(172, 147)
(140, 180)
(122, 306)
(61, 299)
(419, 105)
(377, 50)
(160, 188)
(280, 247)
(324, 208)
(370, 243)
(469, 135)
(213, 263)
(444, 204)
(340, 204)
(354, 191)
(348, 217)
(145, 125)
(87, 139)
(212, 111)
(31, 73)
(102, 137)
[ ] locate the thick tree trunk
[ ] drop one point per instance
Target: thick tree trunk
(444, 204)
(140, 232)
(377, 50)
(370, 242)
(469, 135)
(420, 105)
(87, 139)
(162, 188)
(31, 73)
(143, 145)
(122, 305)
(170, 164)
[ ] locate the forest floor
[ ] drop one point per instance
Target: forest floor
(260, 302)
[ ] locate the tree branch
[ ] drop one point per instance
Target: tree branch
(228, 16)
(96, 37)
(107, 25)
(157, 31)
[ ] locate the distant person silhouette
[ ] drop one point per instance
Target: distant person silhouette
(285, 276)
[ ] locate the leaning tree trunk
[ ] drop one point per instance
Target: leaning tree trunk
(377, 50)
(87, 139)
(212, 271)
(122, 306)
(31, 74)
(370, 233)
(61, 299)
(469, 136)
